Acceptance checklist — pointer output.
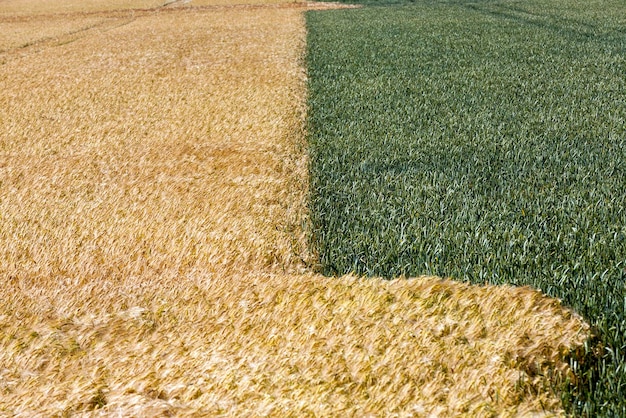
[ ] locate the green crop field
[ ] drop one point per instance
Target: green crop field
(483, 141)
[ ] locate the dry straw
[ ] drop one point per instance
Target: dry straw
(152, 252)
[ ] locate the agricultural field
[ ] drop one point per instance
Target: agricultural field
(483, 141)
(154, 250)
(30, 8)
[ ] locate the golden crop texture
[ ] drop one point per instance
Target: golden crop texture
(153, 261)
(30, 8)
(160, 146)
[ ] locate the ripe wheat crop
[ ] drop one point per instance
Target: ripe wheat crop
(283, 345)
(153, 258)
(152, 151)
(30, 8)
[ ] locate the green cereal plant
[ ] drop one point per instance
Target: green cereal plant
(482, 141)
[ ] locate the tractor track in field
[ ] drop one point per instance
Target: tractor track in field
(62, 39)
(117, 18)
(183, 5)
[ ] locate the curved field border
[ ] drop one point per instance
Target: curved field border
(153, 257)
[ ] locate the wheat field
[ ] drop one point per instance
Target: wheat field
(153, 252)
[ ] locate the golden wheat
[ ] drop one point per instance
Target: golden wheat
(153, 148)
(35, 7)
(23, 33)
(152, 252)
(283, 345)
